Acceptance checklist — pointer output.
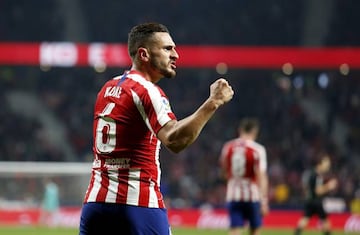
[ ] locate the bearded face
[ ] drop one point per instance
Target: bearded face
(163, 55)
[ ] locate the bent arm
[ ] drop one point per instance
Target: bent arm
(177, 135)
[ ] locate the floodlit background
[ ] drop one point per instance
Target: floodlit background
(46, 112)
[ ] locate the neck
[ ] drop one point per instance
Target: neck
(247, 137)
(147, 74)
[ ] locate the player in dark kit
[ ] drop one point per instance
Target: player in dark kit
(316, 188)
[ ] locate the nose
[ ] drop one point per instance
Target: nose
(174, 54)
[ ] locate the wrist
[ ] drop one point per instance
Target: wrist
(213, 103)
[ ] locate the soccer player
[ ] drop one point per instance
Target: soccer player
(316, 188)
(50, 203)
(243, 161)
(132, 118)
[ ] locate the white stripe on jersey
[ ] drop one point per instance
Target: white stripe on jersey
(133, 187)
(237, 192)
(113, 187)
(242, 190)
(96, 186)
(153, 200)
(246, 193)
(157, 162)
(140, 107)
(155, 96)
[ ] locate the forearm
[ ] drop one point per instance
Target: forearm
(178, 135)
(264, 185)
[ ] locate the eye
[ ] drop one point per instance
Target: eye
(169, 48)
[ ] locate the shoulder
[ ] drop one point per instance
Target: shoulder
(140, 84)
(140, 80)
(227, 147)
(231, 143)
(256, 146)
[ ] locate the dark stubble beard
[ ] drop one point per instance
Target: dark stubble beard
(163, 69)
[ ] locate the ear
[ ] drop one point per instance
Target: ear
(143, 54)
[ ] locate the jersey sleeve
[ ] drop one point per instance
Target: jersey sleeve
(154, 107)
(262, 159)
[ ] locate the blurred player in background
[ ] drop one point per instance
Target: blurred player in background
(50, 203)
(132, 118)
(315, 189)
(243, 161)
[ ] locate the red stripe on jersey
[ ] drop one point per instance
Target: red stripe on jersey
(122, 187)
(144, 191)
(160, 197)
(250, 164)
(104, 186)
(228, 162)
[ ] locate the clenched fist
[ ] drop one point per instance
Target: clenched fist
(221, 92)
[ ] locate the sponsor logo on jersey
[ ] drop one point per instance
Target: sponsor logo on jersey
(117, 163)
(166, 104)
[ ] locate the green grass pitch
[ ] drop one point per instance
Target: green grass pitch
(176, 231)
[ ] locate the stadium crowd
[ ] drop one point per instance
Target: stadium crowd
(191, 179)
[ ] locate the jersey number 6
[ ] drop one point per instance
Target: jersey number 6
(105, 139)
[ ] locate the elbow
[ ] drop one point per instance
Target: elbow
(174, 150)
(177, 146)
(176, 139)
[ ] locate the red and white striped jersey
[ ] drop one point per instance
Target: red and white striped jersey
(129, 112)
(241, 159)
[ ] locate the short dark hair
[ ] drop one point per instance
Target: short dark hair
(140, 34)
(249, 124)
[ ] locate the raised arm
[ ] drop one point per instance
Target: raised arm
(177, 135)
